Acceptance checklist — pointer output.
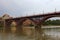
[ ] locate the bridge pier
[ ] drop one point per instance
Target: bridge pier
(6, 28)
(38, 32)
(19, 29)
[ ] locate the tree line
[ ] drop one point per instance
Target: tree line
(52, 22)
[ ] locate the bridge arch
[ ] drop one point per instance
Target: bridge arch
(13, 26)
(43, 20)
(49, 16)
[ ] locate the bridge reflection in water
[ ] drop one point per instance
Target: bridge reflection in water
(49, 34)
(12, 35)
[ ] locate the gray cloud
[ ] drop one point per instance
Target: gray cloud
(19, 8)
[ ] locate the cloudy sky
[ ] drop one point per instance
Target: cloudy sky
(17, 8)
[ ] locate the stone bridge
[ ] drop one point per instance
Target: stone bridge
(37, 19)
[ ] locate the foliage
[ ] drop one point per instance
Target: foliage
(31, 25)
(52, 22)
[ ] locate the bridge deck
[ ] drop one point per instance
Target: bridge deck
(39, 15)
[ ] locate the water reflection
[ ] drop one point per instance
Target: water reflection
(52, 33)
(13, 36)
(48, 34)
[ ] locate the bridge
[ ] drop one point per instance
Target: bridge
(37, 19)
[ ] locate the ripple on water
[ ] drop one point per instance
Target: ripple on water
(11, 36)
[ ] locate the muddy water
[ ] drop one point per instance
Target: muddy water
(49, 34)
(52, 33)
(11, 36)
(16, 36)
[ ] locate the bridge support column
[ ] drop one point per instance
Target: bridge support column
(19, 29)
(6, 28)
(38, 33)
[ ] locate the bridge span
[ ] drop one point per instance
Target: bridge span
(37, 19)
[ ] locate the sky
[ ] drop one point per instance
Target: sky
(18, 8)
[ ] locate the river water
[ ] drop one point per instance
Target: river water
(49, 34)
(52, 33)
(10, 36)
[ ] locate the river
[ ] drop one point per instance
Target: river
(52, 33)
(49, 34)
(10, 36)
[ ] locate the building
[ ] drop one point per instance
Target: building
(6, 16)
(2, 18)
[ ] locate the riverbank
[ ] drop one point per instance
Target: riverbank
(50, 26)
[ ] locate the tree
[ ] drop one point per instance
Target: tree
(52, 22)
